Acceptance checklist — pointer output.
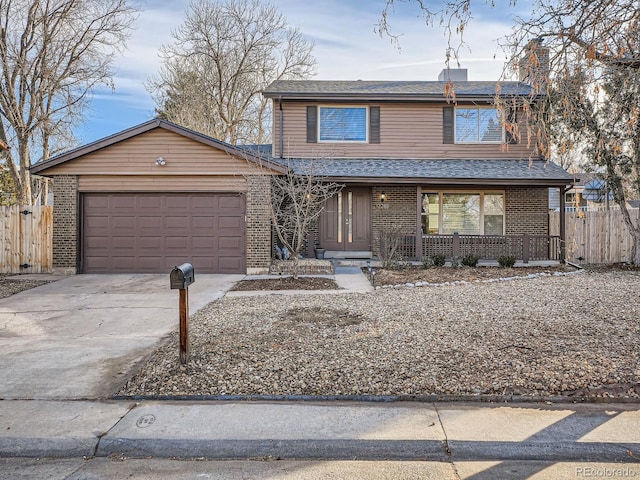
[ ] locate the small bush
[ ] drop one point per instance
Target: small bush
(469, 260)
(438, 260)
(507, 261)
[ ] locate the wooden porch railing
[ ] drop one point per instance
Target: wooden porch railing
(487, 247)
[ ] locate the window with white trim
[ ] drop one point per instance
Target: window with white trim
(343, 124)
(478, 125)
(468, 213)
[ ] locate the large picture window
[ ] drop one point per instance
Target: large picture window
(473, 213)
(478, 125)
(343, 124)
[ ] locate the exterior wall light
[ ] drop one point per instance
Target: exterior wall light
(161, 162)
(383, 197)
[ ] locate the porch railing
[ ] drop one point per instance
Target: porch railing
(487, 247)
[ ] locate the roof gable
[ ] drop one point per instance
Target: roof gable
(132, 133)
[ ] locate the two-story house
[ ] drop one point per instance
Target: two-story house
(449, 174)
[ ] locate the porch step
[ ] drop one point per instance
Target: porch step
(337, 254)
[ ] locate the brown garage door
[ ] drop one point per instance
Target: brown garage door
(153, 232)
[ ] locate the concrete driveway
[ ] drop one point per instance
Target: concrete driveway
(80, 336)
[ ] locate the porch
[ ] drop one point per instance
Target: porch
(524, 247)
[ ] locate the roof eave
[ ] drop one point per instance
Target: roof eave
(402, 97)
(450, 181)
(146, 127)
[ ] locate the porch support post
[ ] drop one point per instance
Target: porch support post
(563, 246)
(525, 248)
(419, 223)
(456, 245)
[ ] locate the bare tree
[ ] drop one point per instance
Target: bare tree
(297, 200)
(53, 53)
(223, 55)
(586, 103)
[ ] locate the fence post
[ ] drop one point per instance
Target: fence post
(525, 248)
(456, 245)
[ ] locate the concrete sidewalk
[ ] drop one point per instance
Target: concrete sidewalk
(324, 430)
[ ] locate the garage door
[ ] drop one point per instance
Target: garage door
(153, 232)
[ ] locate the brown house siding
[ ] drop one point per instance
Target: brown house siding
(258, 224)
(406, 131)
(527, 210)
(161, 183)
(65, 223)
(137, 156)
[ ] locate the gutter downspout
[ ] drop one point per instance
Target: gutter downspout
(563, 246)
(281, 139)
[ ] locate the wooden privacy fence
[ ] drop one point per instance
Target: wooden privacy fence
(597, 236)
(26, 239)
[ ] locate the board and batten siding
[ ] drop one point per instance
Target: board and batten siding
(137, 156)
(406, 131)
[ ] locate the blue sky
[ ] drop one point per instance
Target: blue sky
(346, 48)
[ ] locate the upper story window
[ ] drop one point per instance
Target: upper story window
(478, 125)
(343, 124)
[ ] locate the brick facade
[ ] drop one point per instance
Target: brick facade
(65, 223)
(258, 224)
(526, 210)
(398, 211)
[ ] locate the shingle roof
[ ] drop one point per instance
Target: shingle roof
(451, 171)
(391, 89)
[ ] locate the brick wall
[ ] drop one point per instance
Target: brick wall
(258, 223)
(527, 210)
(397, 211)
(65, 223)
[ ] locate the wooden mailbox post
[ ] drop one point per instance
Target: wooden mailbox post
(181, 277)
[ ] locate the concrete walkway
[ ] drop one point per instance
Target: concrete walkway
(79, 336)
(525, 439)
(348, 279)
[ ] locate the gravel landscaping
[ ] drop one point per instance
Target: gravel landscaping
(11, 287)
(575, 335)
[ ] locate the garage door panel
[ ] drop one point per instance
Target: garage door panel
(122, 263)
(226, 222)
(201, 222)
(149, 202)
(147, 222)
(181, 243)
(97, 243)
(230, 202)
(121, 202)
(123, 223)
(176, 223)
(98, 221)
(204, 203)
(122, 243)
(230, 264)
(153, 232)
(230, 244)
(148, 242)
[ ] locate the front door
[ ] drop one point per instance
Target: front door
(345, 223)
